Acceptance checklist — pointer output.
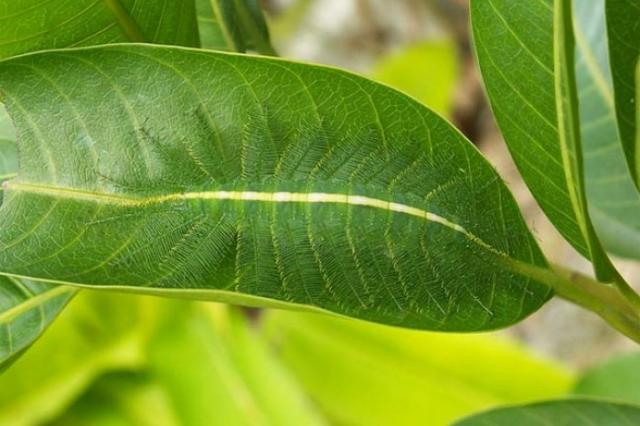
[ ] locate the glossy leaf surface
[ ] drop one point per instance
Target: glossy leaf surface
(559, 413)
(526, 55)
(614, 201)
(194, 177)
(623, 17)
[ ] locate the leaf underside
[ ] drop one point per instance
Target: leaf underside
(169, 169)
(614, 200)
(623, 17)
(559, 413)
(525, 54)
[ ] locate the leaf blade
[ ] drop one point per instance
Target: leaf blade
(528, 65)
(623, 31)
(86, 23)
(612, 196)
(289, 194)
(26, 307)
(562, 412)
(63, 25)
(233, 26)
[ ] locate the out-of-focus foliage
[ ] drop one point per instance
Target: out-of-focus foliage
(427, 71)
(366, 374)
(98, 332)
(194, 363)
(121, 399)
(226, 374)
(203, 365)
(618, 379)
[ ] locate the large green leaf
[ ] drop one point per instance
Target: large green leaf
(614, 201)
(257, 181)
(26, 307)
(96, 333)
(623, 25)
(526, 55)
(617, 379)
(30, 25)
(409, 377)
(233, 25)
(559, 413)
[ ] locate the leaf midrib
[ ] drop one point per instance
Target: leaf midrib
(250, 196)
(33, 302)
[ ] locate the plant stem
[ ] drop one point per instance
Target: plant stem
(617, 303)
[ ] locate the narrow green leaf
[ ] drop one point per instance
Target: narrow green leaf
(212, 35)
(559, 413)
(184, 172)
(234, 25)
(410, 377)
(623, 17)
(526, 55)
(617, 379)
(30, 25)
(97, 332)
(613, 198)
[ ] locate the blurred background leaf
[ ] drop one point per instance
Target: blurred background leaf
(428, 71)
(617, 378)
(567, 412)
(366, 374)
(187, 363)
(98, 332)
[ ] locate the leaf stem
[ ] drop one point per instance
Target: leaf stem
(617, 303)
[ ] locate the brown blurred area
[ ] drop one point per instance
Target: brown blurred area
(355, 34)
